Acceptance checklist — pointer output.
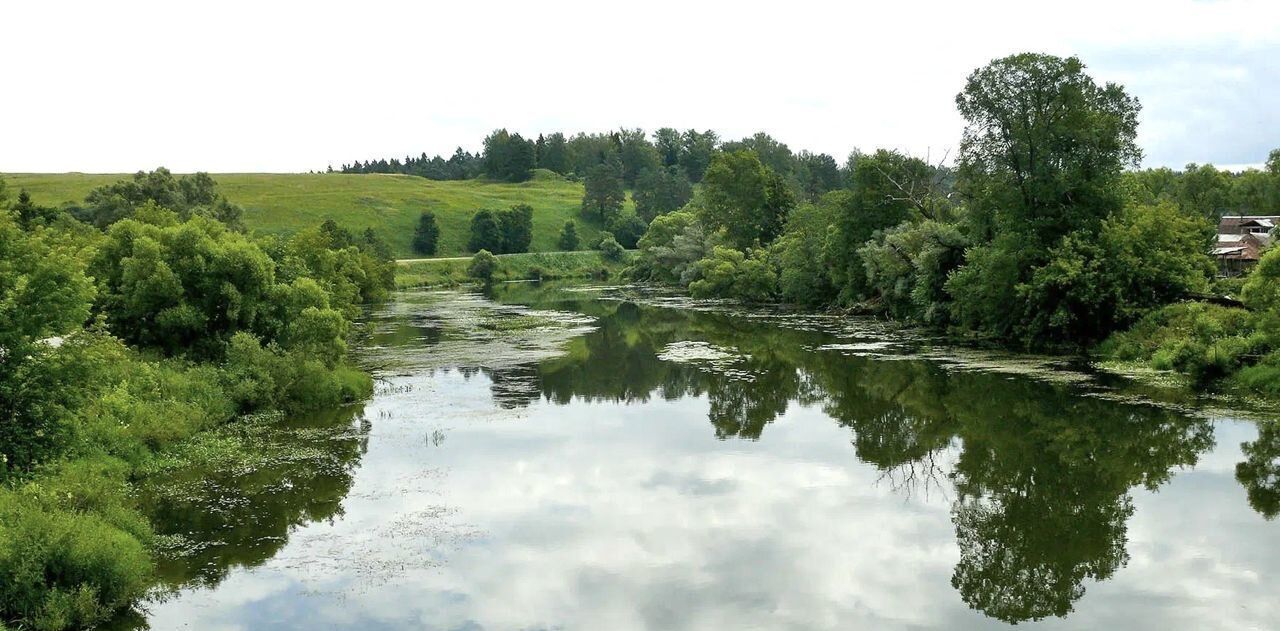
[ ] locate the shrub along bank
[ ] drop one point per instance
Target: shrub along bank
(118, 342)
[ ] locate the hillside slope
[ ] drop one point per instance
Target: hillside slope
(390, 204)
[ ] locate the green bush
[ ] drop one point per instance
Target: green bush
(482, 266)
(71, 552)
(611, 250)
(728, 273)
(1205, 341)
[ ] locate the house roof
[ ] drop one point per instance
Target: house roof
(1233, 223)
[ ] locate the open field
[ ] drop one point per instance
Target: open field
(528, 266)
(390, 204)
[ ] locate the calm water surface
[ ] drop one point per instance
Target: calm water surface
(603, 458)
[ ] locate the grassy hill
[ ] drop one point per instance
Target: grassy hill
(390, 204)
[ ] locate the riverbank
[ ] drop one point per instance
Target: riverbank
(448, 272)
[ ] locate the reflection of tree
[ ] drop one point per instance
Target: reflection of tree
(1042, 474)
(1260, 471)
(1043, 489)
(895, 412)
(241, 515)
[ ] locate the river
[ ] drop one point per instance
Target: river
(588, 457)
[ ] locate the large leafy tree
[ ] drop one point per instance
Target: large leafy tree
(744, 199)
(1043, 147)
(1041, 159)
(773, 154)
(1205, 191)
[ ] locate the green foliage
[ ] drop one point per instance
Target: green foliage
(508, 157)
(43, 293)
(1204, 341)
(1040, 170)
(81, 413)
(486, 233)
(189, 195)
(426, 236)
(516, 224)
(744, 199)
(482, 266)
(1204, 191)
(179, 286)
(637, 155)
(696, 151)
(816, 174)
(611, 250)
(800, 253)
(886, 189)
(907, 269)
(661, 190)
(568, 237)
(773, 154)
(1144, 257)
(671, 248)
(553, 153)
(65, 567)
(627, 229)
(1261, 290)
(729, 273)
(604, 195)
(1043, 148)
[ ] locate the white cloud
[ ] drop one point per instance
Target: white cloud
(285, 86)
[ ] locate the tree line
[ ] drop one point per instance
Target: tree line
(1042, 233)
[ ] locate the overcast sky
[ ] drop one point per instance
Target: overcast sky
(283, 86)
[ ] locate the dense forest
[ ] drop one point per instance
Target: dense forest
(128, 324)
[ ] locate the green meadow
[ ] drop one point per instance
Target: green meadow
(390, 204)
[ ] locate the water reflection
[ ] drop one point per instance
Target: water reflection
(699, 468)
(236, 508)
(1042, 477)
(1260, 471)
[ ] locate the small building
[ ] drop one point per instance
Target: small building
(1241, 241)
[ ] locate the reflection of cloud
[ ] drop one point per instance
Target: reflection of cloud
(612, 516)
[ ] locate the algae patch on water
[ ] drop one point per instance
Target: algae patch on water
(708, 357)
(467, 330)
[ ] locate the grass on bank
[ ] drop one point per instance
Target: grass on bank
(390, 204)
(529, 266)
